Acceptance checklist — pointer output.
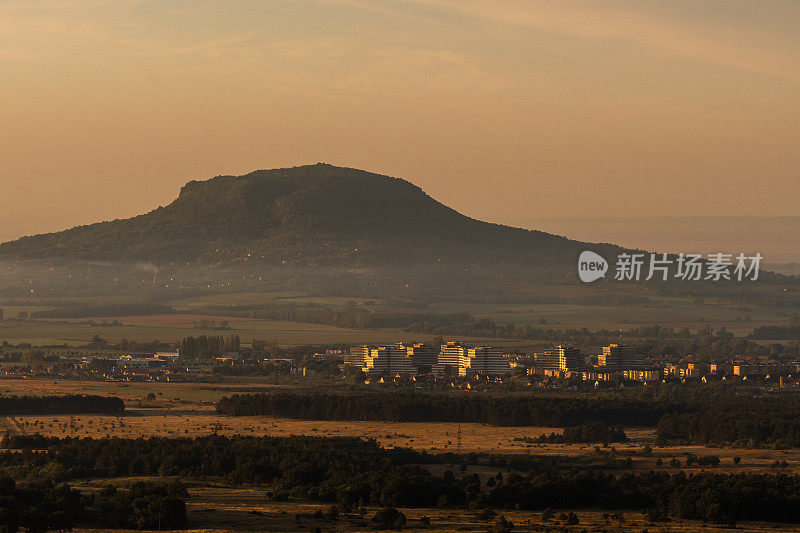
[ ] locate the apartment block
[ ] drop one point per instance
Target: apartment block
(423, 355)
(567, 357)
(483, 360)
(620, 357)
(358, 355)
(393, 359)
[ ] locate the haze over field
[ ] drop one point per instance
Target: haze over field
(503, 110)
(776, 238)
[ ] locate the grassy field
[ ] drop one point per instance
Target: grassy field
(134, 392)
(182, 419)
(673, 312)
(265, 298)
(677, 312)
(186, 410)
(172, 328)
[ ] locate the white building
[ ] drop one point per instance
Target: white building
(560, 357)
(465, 360)
(620, 357)
(450, 355)
(358, 355)
(483, 360)
(167, 356)
(423, 355)
(393, 359)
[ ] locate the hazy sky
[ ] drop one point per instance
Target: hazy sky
(503, 109)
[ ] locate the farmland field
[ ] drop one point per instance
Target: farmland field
(172, 328)
(183, 419)
(543, 311)
(186, 410)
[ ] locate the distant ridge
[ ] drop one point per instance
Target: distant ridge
(314, 215)
(776, 238)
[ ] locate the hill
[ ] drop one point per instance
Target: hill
(327, 231)
(317, 215)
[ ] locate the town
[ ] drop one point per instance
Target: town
(453, 363)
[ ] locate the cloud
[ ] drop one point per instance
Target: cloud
(408, 47)
(408, 71)
(676, 32)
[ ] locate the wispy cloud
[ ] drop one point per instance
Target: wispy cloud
(741, 46)
(422, 56)
(313, 62)
(407, 72)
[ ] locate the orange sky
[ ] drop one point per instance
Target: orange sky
(503, 109)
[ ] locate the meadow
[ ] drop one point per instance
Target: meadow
(182, 419)
(172, 328)
(187, 410)
(676, 312)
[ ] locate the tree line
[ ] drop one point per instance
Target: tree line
(594, 432)
(66, 404)
(499, 410)
(207, 347)
(742, 420)
(708, 414)
(79, 310)
(776, 333)
(48, 507)
(350, 471)
(350, 315)
(711, 497)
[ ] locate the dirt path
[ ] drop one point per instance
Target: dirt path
(11, 426)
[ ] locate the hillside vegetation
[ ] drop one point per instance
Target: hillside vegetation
(321, 230)
(317, 214)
